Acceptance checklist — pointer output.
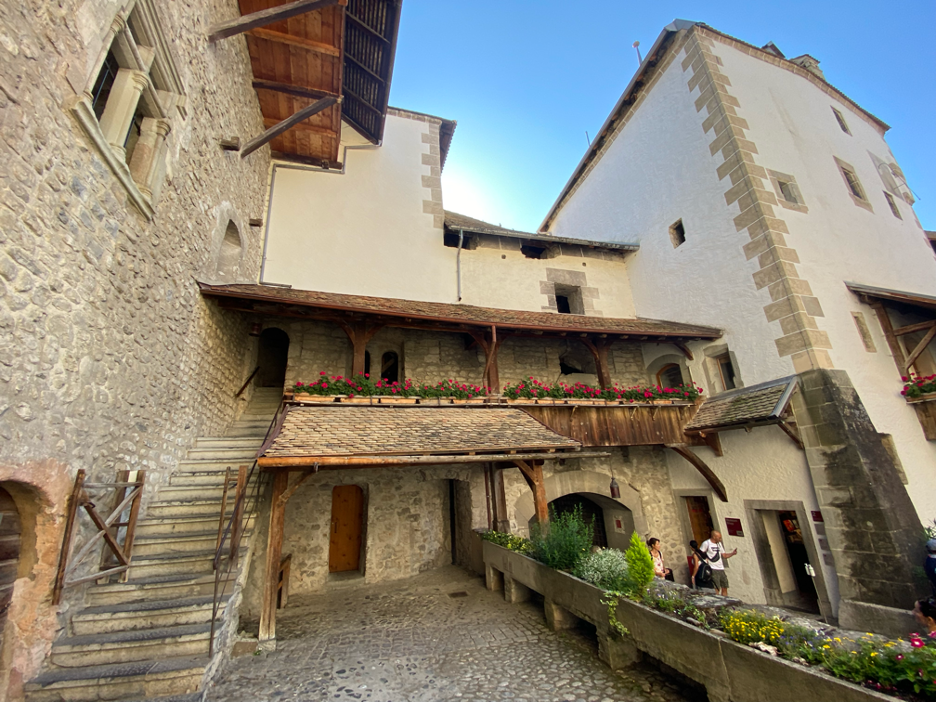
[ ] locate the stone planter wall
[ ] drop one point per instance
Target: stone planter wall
(729, 671)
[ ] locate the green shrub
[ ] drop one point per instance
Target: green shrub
(511, 542)
(563, 541)
(606, 569)
(639, 563)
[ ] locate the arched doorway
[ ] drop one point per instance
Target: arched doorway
(591, 512)
(272, 355)
(11, 529)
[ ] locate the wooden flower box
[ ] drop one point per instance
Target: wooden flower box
(925, 407)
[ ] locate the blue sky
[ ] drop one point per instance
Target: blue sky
(525, 80)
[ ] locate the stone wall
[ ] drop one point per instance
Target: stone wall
(433, 356)
(109, 356)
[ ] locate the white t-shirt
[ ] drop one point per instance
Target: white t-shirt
(713, 552)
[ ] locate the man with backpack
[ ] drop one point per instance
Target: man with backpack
(713, 554)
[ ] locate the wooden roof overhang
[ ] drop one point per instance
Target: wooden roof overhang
(882, 299)
(315, 63)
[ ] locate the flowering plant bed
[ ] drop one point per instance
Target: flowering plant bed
(918, 388)
(536, 389)
(362, 385)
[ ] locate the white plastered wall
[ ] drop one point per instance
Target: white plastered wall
(363, 230)
(796, 133)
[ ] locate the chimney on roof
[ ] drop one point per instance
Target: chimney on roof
(810, 64)
(774, 49)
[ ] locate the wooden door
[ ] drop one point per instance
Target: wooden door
(347, 519)
(700, 519)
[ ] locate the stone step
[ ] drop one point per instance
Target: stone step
(193, 562)
(145, 615)
(191, 475)
(155, 544)
(163, 509)
(234, 455)
(226, 441)
(183, 525)
(131, 646)
(144, 679)
(164, 588)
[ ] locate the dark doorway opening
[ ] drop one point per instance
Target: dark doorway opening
(591, 512)
(390, 367)
(799, 561)
(367, 363)
(272, 356)
(11, 529)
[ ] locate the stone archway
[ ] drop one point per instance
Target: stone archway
(595, 486)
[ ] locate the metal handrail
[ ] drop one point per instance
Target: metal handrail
(247, 382)
(236, 533)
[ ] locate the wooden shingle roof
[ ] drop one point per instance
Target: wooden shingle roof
(758, 404)
(410, 431)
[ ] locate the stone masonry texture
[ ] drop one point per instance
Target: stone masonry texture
(109, 357)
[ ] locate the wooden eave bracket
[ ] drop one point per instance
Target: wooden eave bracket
(277, 129)
(703, 468)
(245, 23)
(790, 429)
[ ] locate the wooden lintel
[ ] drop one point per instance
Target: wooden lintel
(701, 466)
(297, 90)
(303, 43)
(273, 132)
(910, 328)
(245, 23)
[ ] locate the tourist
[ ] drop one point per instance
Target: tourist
(930, 565)
(716, 555)
(925, 612)
(659, 569)
(701, 576)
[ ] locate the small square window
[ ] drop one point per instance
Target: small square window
(726, 371)
(788, 190)
(893, 204)
(841, 121)
(562, 304)
(677, 233)
(104, 83)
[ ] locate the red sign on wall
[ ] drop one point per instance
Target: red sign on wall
(734, 527)
(817, 516)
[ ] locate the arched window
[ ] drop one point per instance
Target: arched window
(670, 376)
(390, 366)
(230, 253)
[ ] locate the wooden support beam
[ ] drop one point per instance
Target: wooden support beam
(701, 466)
(110, 538)
(910, 328)
(301, 42)
(359, 333)
(70, 520)
(713, 441)
(284, 498)
(920, 348)
(684, 348)
(273, 132)
(245, 23)
(304, 127)
(533, 474)
(892, 341)
(297, 90)
(273, 558)
(599, 349)
(791, 431)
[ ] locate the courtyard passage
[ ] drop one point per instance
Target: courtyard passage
(439, 636)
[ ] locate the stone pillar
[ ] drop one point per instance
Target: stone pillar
(871, 523)
(557, 617)
(617, 652)
(145, 166)
(493, 578)
(121, 106)
(515, 592)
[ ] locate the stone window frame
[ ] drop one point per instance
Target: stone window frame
(147, 79)
(853, 185)
(778, 180)
(892, 203)
(712, 365)
(840, 118)
(572, 285)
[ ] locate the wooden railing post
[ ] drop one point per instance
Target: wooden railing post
(239, 499)
(70, 520)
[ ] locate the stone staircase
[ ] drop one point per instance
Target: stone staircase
(148, 638)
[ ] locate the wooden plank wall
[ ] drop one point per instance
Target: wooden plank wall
(617, 426)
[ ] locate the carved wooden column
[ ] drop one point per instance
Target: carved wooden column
(599, 349)
(359, 332)
(533, 474)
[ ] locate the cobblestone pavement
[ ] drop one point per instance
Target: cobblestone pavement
(412, 641)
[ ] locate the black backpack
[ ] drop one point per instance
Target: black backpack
(703, 577)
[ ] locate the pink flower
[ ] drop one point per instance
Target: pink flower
(325, 385)
(367, 375)
(298, 384)
(351, 395)
(917, 643)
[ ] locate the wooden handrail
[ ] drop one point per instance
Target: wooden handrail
(108, 529)
(247, 382)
